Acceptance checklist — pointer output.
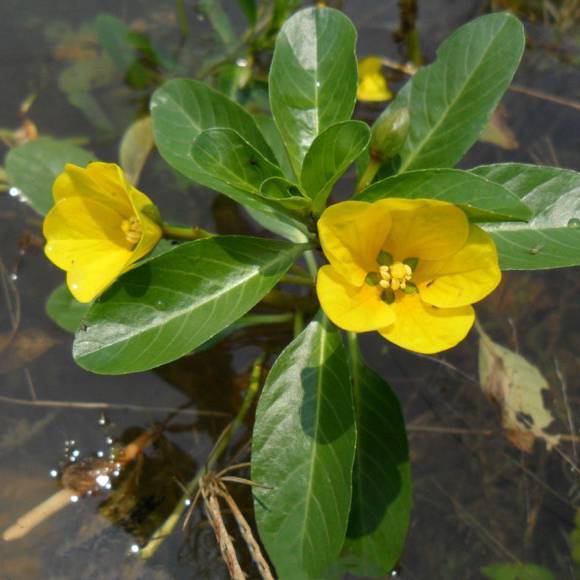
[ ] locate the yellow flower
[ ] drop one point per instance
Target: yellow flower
(408, 268)
(98, 227)
(372, 85)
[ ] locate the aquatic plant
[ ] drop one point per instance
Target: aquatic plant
(415, 247)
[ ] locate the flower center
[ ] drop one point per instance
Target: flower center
(393, 276)
(132, 229)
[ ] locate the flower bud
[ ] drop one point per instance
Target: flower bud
(389, 134)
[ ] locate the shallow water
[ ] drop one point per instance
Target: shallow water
(478, 500)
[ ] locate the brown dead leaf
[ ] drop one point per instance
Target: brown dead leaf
(136, 144)
(497, 131)
(515, 386)
(17, 350)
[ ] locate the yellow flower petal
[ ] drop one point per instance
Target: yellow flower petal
(93, 276)
(99, 226)
(352, 234)
(79, 229)
(351, 308)
(464, 278)
(427, 229)
(103, 182)
(372, 84)
(426, 329)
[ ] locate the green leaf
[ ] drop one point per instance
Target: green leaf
(171, 304)
(250, 10)
(181, 109)
(451, 100)
(285, 193)
(551, 239)
(33, 167)
(280, 225)
(64, 310)
(219, 19)
(481, 199)
(381, 504)
(272, 135)
(329, 156)
(313, 77)
(232, 164)
(302, 454)
(113, 36)
(511, 571)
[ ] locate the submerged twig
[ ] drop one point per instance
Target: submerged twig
(81, 479)
(91, 406)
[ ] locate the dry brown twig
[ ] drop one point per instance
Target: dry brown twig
(211, 489)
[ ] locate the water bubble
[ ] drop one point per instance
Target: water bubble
(74, 498)
(242, 62)
(14, 192)
(103, 420)
(102, 480)
(187, 501)
(53, 473)
(317, 84)
(109, 440)
(116, 473)
(135, 548)
(75, 286)
(76, 453)
(100, 454)
(574, 223)
(14, 277)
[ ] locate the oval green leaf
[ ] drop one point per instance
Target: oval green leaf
(64, 310)
(329, 156)
(33, 167)
(551, 239)
(481, 199)
(451, 100)
(172, 304)
(181, 109)
(302, 454)
(313, 77)
(381, 498)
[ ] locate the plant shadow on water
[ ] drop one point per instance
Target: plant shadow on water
(478, 499)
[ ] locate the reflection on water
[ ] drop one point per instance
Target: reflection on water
(478, 500)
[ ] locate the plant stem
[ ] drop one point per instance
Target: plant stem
(184, 233)
(221, 445)
(296, 279)
(369, 174)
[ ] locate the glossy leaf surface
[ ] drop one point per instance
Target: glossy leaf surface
(329, 156)
(64, 310)
(381, 504)
(302, 453)
(34, 166)
(451, 100)
(551, 239)
(173, 303)
(481, 199)
(313, 77)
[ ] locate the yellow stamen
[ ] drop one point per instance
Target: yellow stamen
(133, 230)
(396, 276)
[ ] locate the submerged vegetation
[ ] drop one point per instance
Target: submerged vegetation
(290, 455)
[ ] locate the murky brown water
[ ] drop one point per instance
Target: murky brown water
(478, 500)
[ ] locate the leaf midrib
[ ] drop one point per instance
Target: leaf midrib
(419, 147)
(177, 313)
